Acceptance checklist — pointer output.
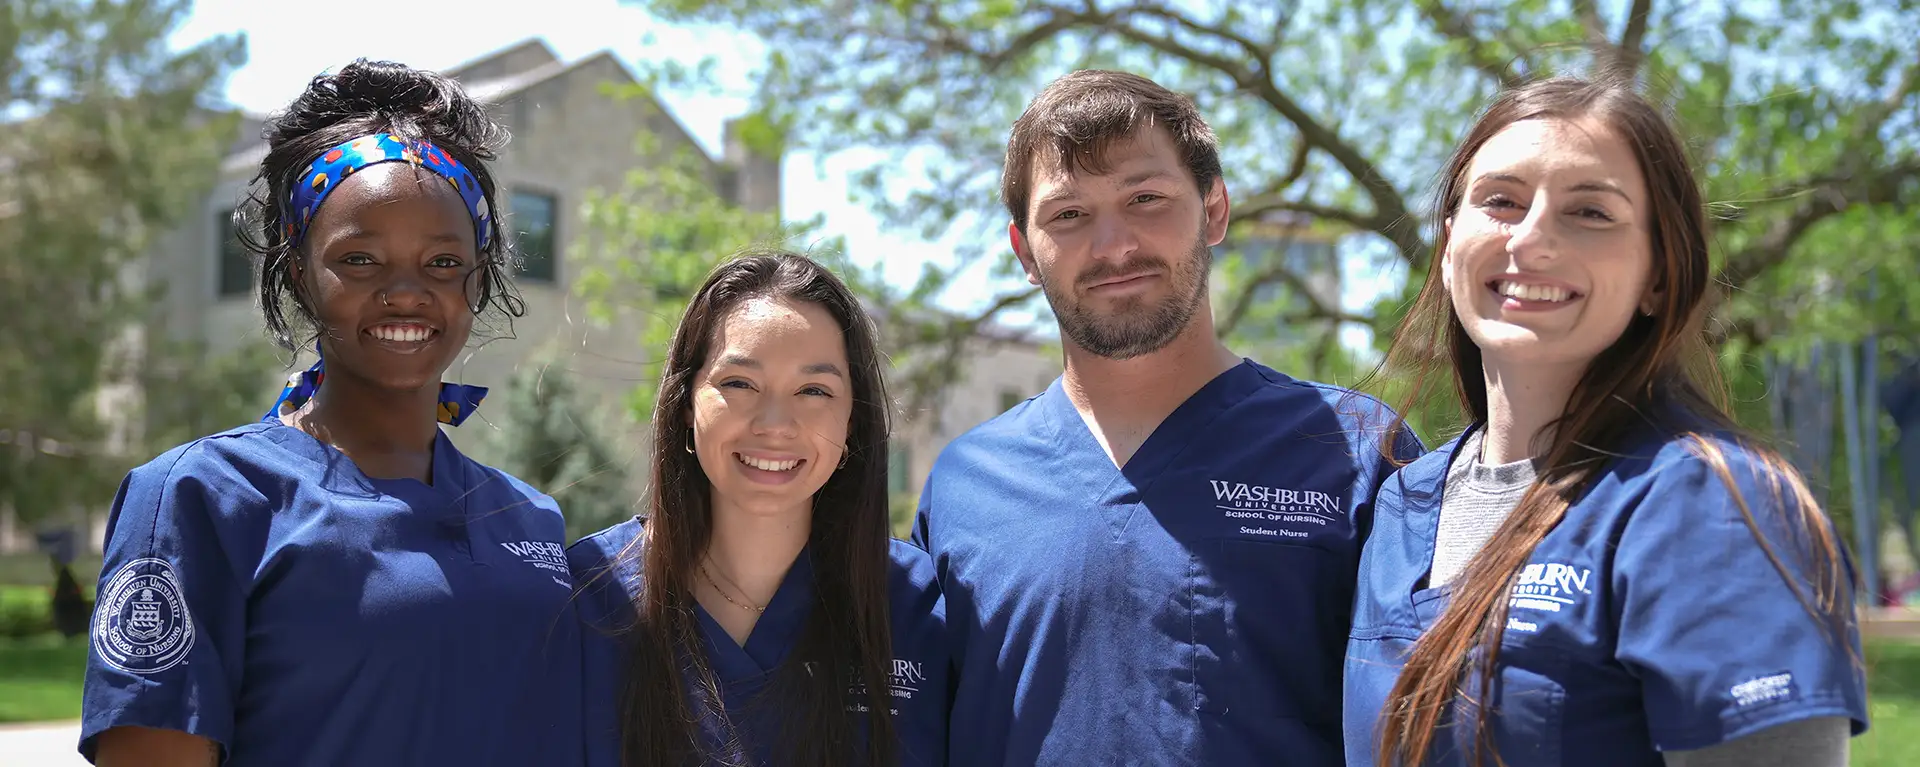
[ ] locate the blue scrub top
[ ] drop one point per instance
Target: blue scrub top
(1189, 609)
(1648, 620)
(262, 592)
(611, 582)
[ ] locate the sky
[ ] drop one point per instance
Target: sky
(284, 52)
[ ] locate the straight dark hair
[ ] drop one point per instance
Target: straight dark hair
(1659, 373)
(1078, 116)
(846, 642)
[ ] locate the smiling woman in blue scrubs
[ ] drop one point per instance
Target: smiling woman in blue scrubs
(761, 614)
(337, 584)
(1627, 577)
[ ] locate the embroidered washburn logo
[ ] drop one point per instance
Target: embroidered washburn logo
(545, 555)
(1275, 511)
(905, 680)
(141, 624)
(1547, 587)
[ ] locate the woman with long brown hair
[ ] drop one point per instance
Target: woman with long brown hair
(1603, 569)
(747, 617)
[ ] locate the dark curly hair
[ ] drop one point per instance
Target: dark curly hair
(363, 98)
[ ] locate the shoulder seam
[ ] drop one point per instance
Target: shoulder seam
(598, 535)
(168, 483)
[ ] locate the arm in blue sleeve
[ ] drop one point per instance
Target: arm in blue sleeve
(169, 618)
(1709, 622)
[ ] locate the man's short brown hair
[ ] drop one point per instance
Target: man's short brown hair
(1079, 116)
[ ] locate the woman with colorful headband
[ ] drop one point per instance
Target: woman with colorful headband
(337, 584)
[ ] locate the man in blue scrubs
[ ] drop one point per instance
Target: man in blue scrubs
(1153, 561)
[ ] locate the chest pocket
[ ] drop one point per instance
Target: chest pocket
(1269, 628)
(1526, 721)
(1529, 701)
(1529, 710)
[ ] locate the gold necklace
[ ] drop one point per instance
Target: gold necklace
(723, 593)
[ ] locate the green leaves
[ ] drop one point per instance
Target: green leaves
(192, 389)
(649, 245)
(1804, 117)
(545, 435)
(109, 140)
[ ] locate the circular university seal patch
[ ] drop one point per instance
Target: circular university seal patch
(141, 624)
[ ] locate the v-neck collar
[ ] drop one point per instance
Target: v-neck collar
(1172, 434)
(773, 635)
(450, 478)
(1125, 485)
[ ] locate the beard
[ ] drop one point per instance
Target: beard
(1138, 326)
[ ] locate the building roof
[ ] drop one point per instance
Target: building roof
(252, 149)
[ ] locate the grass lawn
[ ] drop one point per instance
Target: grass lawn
(33, 569)
(40, 677)
(1893, 686)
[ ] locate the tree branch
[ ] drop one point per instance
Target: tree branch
(1818, 203)
(926, 382)
(1390, 218)
(1831, 192)
(1297, 168)
(1261, 52)
(1255, 207)
(1632, 48)
(1588, 12)
(1329, 341)
(1019, 45)
(1456, 27)
(1004, 302)
(1909, 80)
(1276, 270)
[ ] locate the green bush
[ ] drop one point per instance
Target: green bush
(25, 611)
(900, 510)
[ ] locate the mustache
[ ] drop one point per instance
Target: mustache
(1105, 270)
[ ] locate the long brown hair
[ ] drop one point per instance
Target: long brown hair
(1659, 374)
(846, 641)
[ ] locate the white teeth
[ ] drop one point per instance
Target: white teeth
(1547, 293)
(402, 333)
(767, 465)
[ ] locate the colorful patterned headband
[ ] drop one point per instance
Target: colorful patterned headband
(457, 401)
(333, 166)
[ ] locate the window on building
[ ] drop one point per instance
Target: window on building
(899, 469)
(236, 264)
(533, 222)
